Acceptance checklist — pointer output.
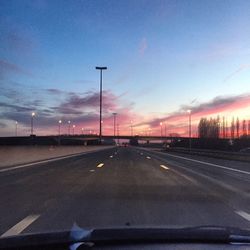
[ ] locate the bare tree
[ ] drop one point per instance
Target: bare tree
(244, 128)
(237, 127)
(232, 128)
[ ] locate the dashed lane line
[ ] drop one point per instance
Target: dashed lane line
(20, 226)
(148, 157)
(100, 165)
(163, 166)
(210, 164)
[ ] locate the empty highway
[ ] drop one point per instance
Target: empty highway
(125, 186)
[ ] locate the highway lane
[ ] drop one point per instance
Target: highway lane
(122, 187)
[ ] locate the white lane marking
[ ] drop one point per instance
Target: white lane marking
(100, 165)
(148, 157)
(210, 164)
(111, 156)
(20, 226)
(163, 166)
(243, 214)
(49, 160)
(91, 170)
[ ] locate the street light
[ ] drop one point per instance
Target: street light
(16, 129)
(32, 123)
(74, 129)
(82, 131)
(59, 127)
(161, 128)
(190, 142)
(68, 127)
(100, 131)
(114, 122)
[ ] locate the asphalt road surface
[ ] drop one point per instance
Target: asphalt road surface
(120, 187)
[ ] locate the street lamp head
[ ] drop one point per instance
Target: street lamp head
(68, 122)
(101, 68)
(161, 123)
(114, 113)
(16, 122)
(74, 126)
(33, 114)
(60, 121)
(189, 111)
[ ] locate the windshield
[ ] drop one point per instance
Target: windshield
(124, 114)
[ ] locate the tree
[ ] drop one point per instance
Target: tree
(232, 128)
(244, 128)
(209, 128)
(237, 127)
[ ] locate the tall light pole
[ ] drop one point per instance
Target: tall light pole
(165, 130)
(82, 131)
(190, 142)
(161, 128)
(32, 123)
(16, 129)
(59, 127)
(69, 127)
(100, 130)
(114, 114)
(74, 129)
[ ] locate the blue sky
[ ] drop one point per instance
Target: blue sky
(161, 55)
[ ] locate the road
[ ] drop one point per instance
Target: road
(125, 187)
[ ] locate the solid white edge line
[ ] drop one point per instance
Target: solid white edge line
(210, 164)
(20, 226)
(48, 160)
(243, 214)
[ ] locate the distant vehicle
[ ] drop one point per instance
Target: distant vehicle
(245, 150)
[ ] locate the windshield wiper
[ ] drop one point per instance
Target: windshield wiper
(207, 234)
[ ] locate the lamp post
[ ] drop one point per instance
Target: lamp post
(59, 127)
(74, 129)
(82, 130)
(16, 128)
(114, 114)
(190, 142)
(32, 123)
(100, 129)
(161, 128)
(68, 127)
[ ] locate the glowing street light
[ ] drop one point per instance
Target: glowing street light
(82, 130)
(190, 142)
(16, 128)
(69, 127)
(74, 129)
(161, 128)
(59, 127)
(32, 123)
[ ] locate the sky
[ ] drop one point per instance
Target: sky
(163, 58)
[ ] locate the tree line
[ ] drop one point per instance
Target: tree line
(220, 128)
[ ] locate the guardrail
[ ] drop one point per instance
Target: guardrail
(212, 153)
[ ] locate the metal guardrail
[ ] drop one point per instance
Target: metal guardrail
(213, 153)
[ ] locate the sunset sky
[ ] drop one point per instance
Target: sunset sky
(163, 58)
